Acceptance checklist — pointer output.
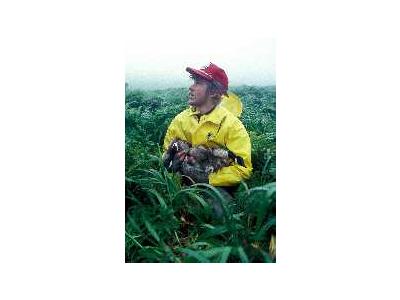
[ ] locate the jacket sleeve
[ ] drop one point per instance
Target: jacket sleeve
(238, 141)
(174, 131)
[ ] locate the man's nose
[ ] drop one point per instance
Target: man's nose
(191, 88)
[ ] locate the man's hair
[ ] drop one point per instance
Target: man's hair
(214, 87)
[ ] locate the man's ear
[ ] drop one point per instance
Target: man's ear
(212, 94)
(215, 94)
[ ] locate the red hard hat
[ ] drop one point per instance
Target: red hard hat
(210, 73)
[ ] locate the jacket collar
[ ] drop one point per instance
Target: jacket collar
(215, 116)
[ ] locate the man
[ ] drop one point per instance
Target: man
(207, 123)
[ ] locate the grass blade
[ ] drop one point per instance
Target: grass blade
(242, 255)
(133, 238)
(195, 254)
(225, 254)
(158, 196)
(152, 231)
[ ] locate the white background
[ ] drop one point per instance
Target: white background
(62, 68)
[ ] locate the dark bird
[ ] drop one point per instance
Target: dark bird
(195, 162)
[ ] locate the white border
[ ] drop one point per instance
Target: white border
(62, 131)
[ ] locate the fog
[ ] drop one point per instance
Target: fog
(160, 63)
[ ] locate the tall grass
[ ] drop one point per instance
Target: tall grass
(167, 221)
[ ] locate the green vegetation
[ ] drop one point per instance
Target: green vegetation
(169, 222)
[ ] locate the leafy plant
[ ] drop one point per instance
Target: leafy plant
(167, 221)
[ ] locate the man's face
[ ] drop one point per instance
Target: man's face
(198, 94)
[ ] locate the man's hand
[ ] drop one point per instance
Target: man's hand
(181, 155)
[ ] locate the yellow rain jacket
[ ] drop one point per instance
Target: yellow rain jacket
(219, 128)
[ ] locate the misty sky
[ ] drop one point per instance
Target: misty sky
(161, 63)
